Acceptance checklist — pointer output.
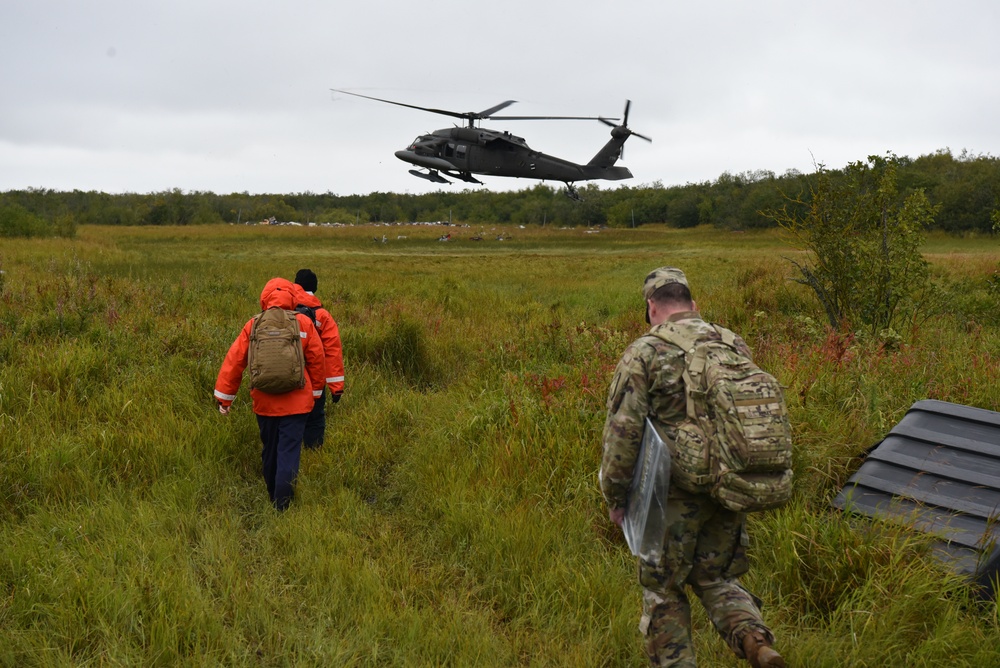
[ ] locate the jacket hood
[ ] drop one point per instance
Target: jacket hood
(305, 298)
(278, 292)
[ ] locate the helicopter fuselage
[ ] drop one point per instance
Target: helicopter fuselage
(463, 151)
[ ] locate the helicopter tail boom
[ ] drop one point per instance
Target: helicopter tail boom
(609, 153)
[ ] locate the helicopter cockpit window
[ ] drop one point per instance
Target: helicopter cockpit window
(460, 151)
(449, 150)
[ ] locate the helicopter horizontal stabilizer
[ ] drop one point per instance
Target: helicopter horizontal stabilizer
(616, 173)
(430, 176)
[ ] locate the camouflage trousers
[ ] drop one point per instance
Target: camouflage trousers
(704, 547)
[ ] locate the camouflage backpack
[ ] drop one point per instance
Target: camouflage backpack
(736, 441)
(277, 364)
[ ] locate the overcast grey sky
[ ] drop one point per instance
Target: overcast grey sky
(224, 96)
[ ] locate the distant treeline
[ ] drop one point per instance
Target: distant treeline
(966, 189)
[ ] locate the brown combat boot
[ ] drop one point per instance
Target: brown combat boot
(759, 652)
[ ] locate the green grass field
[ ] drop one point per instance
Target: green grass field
(453, 516)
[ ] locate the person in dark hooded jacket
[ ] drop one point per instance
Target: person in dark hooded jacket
(281, 418)
(329, 333)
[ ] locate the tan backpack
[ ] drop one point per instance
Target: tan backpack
(276, 362)
(735, 442)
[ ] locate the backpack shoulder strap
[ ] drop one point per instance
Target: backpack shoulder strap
(728, 336)
(695, 358)
(256, 323)
(309, 312)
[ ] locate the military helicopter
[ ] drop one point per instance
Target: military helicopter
(460, 152)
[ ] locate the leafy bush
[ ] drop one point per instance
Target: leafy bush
(18, 221)
(865, 267)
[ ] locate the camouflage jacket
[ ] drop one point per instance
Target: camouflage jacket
(647, 382)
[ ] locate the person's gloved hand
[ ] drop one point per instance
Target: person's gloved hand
(335, 396)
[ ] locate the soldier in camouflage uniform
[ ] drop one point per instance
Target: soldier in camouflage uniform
(705, 544)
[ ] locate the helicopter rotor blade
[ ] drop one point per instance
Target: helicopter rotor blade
(628, 105)
(444, 112)
(468, 115)
(471, 116)
(544, 118)
(621, 151)
(608, 122)
(492, 110)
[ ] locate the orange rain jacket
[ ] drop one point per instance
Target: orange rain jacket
(277, 292)
(329, 333)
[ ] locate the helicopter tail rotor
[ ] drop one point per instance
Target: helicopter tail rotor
(622, 131)
(611, 152)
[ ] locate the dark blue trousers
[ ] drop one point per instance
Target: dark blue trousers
(316, 423)
(282, 440)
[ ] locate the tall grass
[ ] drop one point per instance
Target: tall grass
(453, 517)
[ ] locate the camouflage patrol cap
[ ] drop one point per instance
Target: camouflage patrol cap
(660, 277)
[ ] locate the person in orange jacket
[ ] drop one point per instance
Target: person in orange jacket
(306, 281)
(280, 417)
